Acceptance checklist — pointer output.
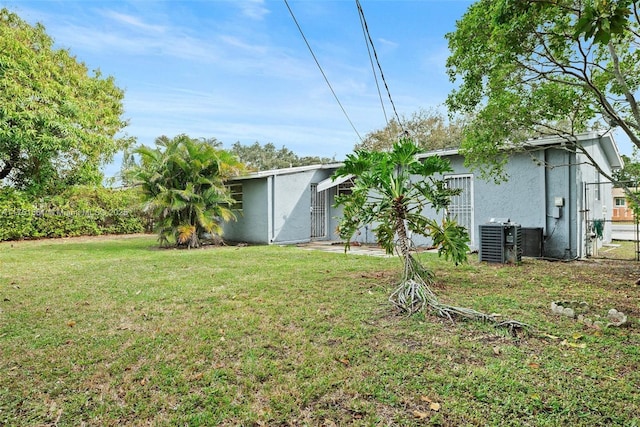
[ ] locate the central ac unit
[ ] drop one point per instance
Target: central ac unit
(500, 242)
(533, 242)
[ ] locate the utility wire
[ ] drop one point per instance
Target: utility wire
(375, 54)
(321, 70)
(363, 24)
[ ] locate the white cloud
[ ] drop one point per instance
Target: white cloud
(253, 9)
(98, 40)
(132, 21)
(236, 43)
(388, 44)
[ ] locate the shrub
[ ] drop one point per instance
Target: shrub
(16, 215)
(78, 211)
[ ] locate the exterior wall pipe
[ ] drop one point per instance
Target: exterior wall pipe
(270, 209)
(542, 158)
(570, 202)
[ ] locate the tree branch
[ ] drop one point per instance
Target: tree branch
(14, 157)
(623, 83)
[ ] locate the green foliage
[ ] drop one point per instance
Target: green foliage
(451, 240)
(78, 211)
(89, 211)
(602, 19)
(392, 190)
(429, 129)
(266, 157)
(528, 68)
(16, 215)
(183, 180)
(630, 173)
(58, 122)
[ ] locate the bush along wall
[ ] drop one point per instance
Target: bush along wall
(78, 211)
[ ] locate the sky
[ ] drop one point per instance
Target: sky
(240, 70)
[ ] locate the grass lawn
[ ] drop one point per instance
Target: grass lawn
(618, 249)
(112, 331)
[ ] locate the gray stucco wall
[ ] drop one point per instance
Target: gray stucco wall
(521, 198)
(561, 221)
(529, 196)
(277, 208)
(595, 197)
(532, 190)
(252, 223)
(292, 204)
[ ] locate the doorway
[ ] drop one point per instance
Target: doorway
(318, 213)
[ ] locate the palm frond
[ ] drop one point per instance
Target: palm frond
(183, 182)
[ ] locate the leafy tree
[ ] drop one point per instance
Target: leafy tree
(630, 173)
(430, 130)
(629, 178)
(58, 123)
(183, 180)
(266, 157)
(542, 67)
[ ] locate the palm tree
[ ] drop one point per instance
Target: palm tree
(183, 181)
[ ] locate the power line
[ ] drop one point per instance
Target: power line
(321, 70)
(375, 54)
(363, 24)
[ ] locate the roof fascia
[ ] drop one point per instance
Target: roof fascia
(286, 171)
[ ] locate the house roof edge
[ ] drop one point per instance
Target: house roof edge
(287, 171)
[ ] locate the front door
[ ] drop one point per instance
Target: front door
(318, 213)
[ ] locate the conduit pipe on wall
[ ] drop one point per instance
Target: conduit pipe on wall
(270, 208)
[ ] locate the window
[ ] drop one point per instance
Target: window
(620, 201)
(235, 191)
(461, 206)
(345, 188)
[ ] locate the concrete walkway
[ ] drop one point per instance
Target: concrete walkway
(338, 247)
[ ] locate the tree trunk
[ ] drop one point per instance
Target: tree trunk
(6, 170)
(14, 156)
(401, 231)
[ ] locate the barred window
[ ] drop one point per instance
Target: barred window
(345, 188)
(235, 191)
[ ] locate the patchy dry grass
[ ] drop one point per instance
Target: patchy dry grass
(115, 332)
(618, 249)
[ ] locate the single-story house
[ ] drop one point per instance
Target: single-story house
(285, 206)
(553, 194)
(621, 209)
